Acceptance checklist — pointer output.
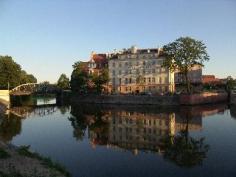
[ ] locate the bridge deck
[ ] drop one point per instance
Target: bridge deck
(20, 93)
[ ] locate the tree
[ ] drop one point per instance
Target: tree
(79, 77)
(27, 78)
(183, 54)
(100, 79)
(63, 82)
(230, 84)
(11, 72)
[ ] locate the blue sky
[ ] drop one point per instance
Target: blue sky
(47, 36)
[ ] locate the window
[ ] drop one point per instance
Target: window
(144, 63)
(144, 71)
(126, 80)
(153, 80)
(130, 80)
(137, 63)
(119, 71)
(166, 80)
(160, 80)
(120, 81)
(149, 79)
(113, 81)
(114, 72)
(144, 80)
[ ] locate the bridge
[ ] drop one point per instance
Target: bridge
(25, 90)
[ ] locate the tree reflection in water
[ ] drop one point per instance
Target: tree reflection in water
(233, 111)
(10, 126)
(139, 129)
(182, 149)
(94, 119)
(11, 123)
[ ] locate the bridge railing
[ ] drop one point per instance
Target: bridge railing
(25, 88)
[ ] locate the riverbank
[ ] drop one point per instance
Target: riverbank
(20, 162)
(162, 100)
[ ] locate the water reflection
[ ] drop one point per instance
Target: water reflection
(146, 129)
(233, 111)
(10, 126)
(168, 132)
(11, 122)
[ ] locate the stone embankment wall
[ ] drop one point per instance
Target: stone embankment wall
(4, 100)
(203, 98)
(127, 99)
(4, 95)
(194, 99)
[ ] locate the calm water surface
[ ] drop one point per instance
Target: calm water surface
(128, 141)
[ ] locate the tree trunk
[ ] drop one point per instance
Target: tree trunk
(187, 82)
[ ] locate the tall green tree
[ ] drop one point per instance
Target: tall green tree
(63, 82)
(11, 72)
(79, 77)
(27, 78)
(100, 80)
(183, 54)
(230, 84)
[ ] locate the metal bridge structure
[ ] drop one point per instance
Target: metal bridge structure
(30, 88)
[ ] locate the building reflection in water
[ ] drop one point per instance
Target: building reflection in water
(146, 129)
(135, 129)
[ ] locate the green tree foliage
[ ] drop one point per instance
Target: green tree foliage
(79, 78)
(83, 82)
(27, 78)
(100, 80)
(183, 54)
(63, 82)
(11, 72)
(230, 84)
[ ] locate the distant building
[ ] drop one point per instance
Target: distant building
(139, 70)
(194, 75)
(210, 79)
(97, 63)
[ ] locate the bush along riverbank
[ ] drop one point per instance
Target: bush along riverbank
(20, 162)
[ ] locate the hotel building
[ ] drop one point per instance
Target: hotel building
(139, 70)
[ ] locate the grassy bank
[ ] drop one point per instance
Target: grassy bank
(20, 162)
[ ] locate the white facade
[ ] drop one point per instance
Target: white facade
(139, 70)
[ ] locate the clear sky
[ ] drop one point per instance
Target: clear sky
(47, 36)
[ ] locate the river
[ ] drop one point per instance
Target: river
(128, 141)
